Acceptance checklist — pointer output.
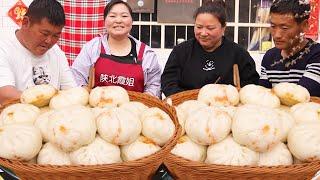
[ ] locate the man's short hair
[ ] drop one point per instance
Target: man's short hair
(300, 9)
(49, 9)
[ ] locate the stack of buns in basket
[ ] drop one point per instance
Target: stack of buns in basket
(254, 126)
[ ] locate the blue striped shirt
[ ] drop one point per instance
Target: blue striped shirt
(305, 71)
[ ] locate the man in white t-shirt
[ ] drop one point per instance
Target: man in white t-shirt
(30, 56)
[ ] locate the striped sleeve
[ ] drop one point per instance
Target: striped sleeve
(264, 81)
(263, 74)
(313, 72)
(311, 77)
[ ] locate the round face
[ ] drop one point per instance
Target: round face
(208, 31)
(285, 31)
(118, 21)
(39, 37)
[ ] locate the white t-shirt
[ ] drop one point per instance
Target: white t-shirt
(20, 68)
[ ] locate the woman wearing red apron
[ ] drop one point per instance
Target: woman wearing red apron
(125, 71)
(118, 58)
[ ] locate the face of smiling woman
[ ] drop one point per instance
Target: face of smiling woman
(208, 31)
(118, 21)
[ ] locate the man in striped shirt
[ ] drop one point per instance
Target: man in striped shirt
(294, 58)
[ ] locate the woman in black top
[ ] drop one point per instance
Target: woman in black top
(208, 58)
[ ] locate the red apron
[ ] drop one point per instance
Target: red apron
(112, 72)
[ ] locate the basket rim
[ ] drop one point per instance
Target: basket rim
(144, 161)
(172, 158)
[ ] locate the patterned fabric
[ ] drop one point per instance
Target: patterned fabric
(84, 21)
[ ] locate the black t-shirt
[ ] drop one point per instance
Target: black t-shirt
(190, 67)
(205, 64)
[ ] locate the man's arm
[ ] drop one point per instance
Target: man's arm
(9, 94)
(8, 91)
(311, 78)
(264, 80)
(66, 79)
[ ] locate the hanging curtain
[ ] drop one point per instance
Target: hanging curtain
(84, 21)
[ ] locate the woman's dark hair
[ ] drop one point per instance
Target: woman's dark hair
(50, 9)
(216, 8)
(298, 8)
(111, 4)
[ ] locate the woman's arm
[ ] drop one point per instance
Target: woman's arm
(247, 69)
(171, 75)
(81, 65)
(152, 73)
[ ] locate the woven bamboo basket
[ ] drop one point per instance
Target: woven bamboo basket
(185, 169)
(143, 168)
